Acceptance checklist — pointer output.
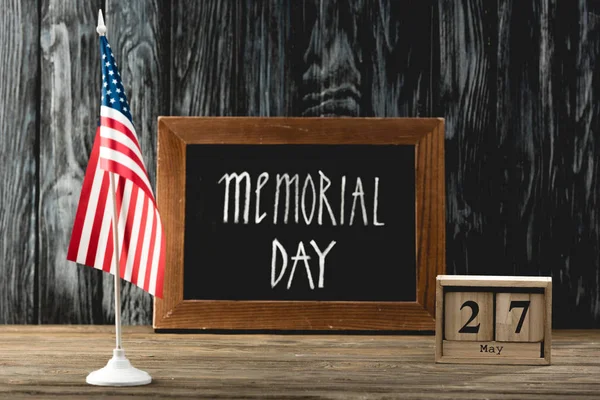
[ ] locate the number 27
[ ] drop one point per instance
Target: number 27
(524, 304)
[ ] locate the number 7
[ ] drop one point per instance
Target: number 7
(524, 304)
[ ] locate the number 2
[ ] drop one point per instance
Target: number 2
(524, 304)
(474, 312)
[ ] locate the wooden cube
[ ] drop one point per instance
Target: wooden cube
(470, 316)
(493, 319)
(519, 317)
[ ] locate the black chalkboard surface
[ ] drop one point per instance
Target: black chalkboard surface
(268, 255)
(326, 224)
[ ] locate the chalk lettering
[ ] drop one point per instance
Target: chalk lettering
(288, 182)
(301, 255)
(322, 256)
(308, 180)
(261, 181)
(343, 193)
(359, 192)
(323, 199)
(277, 246)
(238, 179)
(376, 204)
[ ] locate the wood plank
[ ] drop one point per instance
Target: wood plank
(203, 54)
(139, 33)
(569, 180)
(465, 95)
(70, 104)
(283, 366)
(548, 142)
(396, 57)
(19, 101)
(267, 46)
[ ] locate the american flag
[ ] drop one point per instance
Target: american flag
(117, 152)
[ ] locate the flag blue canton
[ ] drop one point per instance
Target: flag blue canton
(113, 93)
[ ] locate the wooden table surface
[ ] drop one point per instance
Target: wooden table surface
(53, 361)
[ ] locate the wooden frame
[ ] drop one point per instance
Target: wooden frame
(526, 355)
(426, 134)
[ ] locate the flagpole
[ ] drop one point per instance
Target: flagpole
(101, 29)
(117, 256)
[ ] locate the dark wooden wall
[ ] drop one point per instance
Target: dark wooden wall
(518, 83)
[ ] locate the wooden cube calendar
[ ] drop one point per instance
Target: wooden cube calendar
(493, 319)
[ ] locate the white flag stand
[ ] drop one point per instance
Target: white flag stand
(118, 371)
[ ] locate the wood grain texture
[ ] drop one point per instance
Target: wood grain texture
(19, 79)
(466, 98)
(139, 36)
(70, 78)
(203, 65)
(283, 367)
(70, 98)
(175, 133)
(398, 45)
(517, 87)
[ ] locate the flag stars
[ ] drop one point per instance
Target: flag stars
(103, 56)
(108, 92)
(115, 81)
(107, 64)
(105, 84)
(118, 90)
(121, 99)
(112, 100)
(110, 72)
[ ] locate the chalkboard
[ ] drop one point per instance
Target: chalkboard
(300, 223)
(314, 250)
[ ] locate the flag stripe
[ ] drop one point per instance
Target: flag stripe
(114, 129)
(117, 116)
(121, 148)
(140, 242)
(141, 280)
(105, 240)
(111, 134)
(128, 231)
(161, 271)
(83, 202)
(107, 264)
(122, 230)
(120, 164)
(98, 216)
(155, 256)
